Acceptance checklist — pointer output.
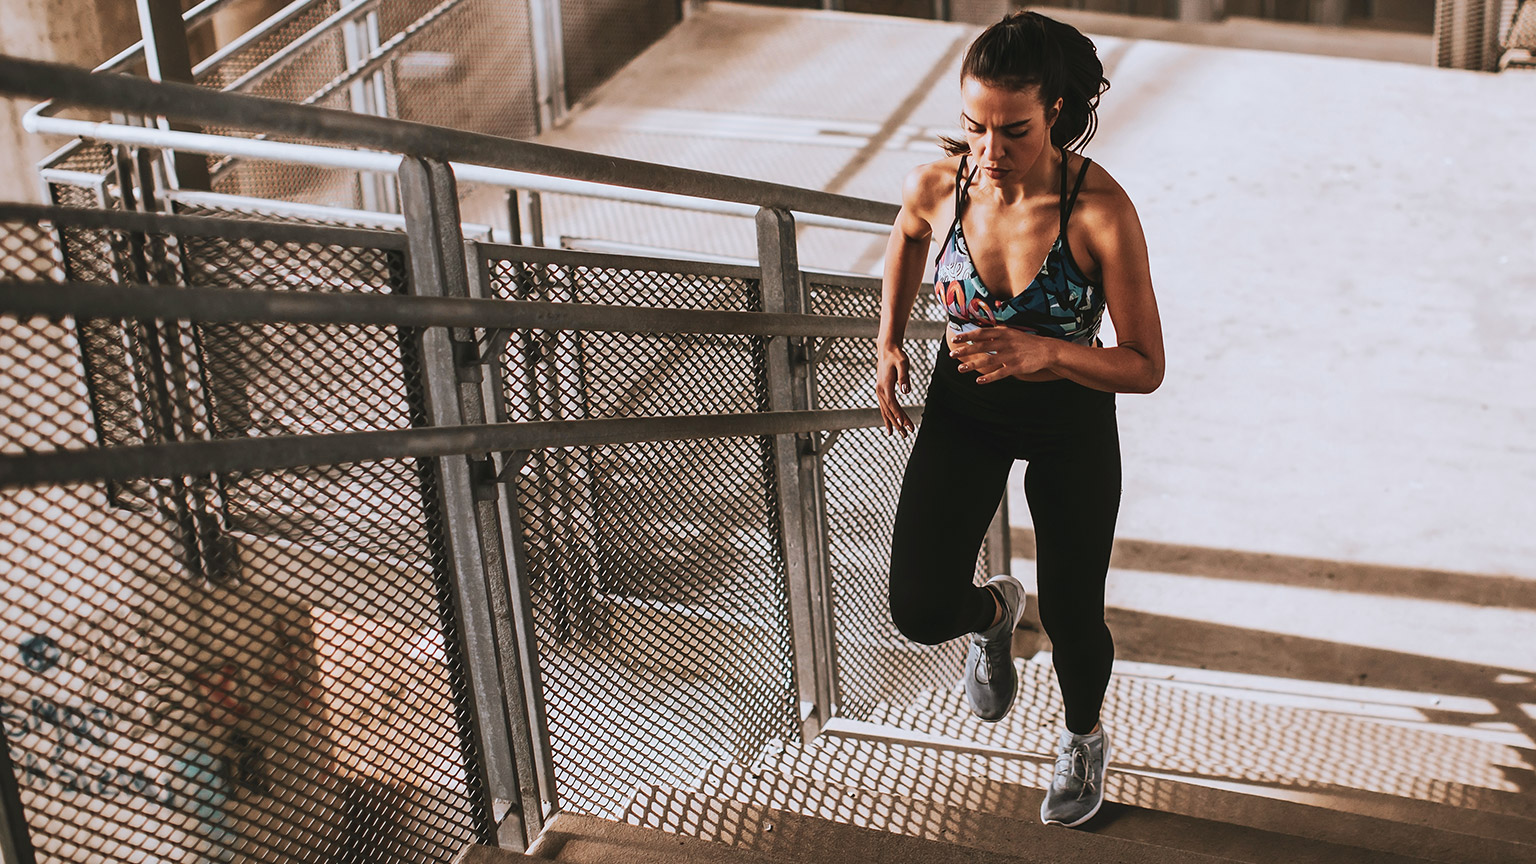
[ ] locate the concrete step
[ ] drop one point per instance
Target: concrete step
(997, 829)
(1009, 787)
(1422, 801)
(491, 855)
(801, 837)
(582, 839)
(1184, 731)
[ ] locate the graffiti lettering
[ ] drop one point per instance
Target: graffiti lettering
(91, 724)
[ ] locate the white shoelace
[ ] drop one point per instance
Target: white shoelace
(1067, 763)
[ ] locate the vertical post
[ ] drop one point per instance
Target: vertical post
(15, 835)
(514, 219)
(536, 218)
(999, 541)
(170, 59)
(1467, 34)
(813, 479)
(548, 61)
(1331, 12)
(513, 592)
(781, 290)
(1197, 10)
(430, 203)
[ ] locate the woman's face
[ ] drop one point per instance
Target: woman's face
(1007, 129)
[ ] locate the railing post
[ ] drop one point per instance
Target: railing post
(794, 473)
(999, 541)
(480, 611)
(169, 59)
(513, 594)
(15, 834)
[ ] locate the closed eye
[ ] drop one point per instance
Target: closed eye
(1007, 132)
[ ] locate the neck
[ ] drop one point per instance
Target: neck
(1042, 178)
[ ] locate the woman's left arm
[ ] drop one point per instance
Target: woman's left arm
(1135, 363)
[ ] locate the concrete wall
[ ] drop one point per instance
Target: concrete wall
(80, 32)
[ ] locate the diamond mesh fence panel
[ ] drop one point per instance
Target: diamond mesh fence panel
(595, 49)
(470, 67)
(863, 469)
(655, 568)
(464, 64)
(235, 64)
(252, 666)
(1521, 29)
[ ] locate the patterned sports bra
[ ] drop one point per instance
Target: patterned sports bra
(1061, 302)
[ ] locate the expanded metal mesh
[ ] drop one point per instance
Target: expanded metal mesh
(255, 665)
(1521, 27)
(470, 67)
(863, 470)
(464, 64)
(562, 374)
(232, 66)
(595, 49)
(655, 568)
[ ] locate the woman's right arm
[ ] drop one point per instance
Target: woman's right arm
(905, 254)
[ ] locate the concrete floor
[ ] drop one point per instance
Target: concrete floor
(1342, 252)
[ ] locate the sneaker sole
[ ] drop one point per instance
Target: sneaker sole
(1091, 813)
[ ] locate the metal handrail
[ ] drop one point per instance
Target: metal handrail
(43, 80)
(243, 305)
(226, 455)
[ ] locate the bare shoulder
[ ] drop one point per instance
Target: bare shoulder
(1102, 203)
(928, 188)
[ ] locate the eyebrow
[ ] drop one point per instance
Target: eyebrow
(968, 119)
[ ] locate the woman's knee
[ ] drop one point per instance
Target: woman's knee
(1072, 628)
(922, 617)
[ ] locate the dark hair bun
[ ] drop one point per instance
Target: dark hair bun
(1027, 49)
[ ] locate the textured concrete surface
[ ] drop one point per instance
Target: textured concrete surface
(1341, 249)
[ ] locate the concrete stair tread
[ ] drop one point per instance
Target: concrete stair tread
(491, 855)
(580, 839)
(1223, 735)
(1009, 786)
(803, 838)
(1000, 829)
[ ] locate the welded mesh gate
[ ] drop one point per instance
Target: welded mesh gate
(254, 665)
(876, 665)
(657, 580)
(297, 659)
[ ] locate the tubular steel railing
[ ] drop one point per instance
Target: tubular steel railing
(344, 544)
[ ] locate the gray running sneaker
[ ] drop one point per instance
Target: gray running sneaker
(1077, 790)
(991, 682)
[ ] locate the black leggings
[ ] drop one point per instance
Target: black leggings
(956, 475)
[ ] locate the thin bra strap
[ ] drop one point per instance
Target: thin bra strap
(1066, 211)
(962, 184)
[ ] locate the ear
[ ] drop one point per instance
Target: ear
(1054, 113)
